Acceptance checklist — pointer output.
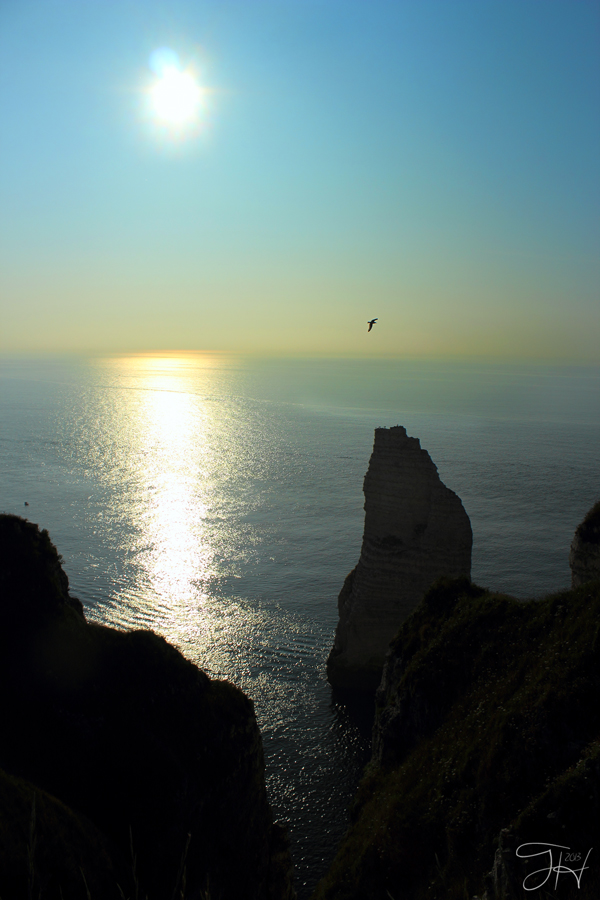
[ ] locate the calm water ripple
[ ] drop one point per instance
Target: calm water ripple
(218, 501)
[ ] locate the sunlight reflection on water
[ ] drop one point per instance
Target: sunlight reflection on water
(167, 499)
(219, 502)
(174, 450)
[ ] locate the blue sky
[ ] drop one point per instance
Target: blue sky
(431, 163)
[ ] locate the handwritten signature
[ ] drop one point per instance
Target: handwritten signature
(523, 852)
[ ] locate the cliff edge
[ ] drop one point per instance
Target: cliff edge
(484, 780)
(584, 557)
(416, 530)
(124, 767)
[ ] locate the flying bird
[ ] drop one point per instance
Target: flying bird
(370, 324)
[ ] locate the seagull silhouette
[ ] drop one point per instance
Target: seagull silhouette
(370, 324)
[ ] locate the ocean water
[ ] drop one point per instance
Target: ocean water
(218, 501)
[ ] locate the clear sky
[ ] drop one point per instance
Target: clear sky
(434, 163)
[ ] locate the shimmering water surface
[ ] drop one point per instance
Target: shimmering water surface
(218, 501)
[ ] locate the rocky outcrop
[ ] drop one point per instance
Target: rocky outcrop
(584, 557)
(486, 737)
(147, 775)
(416, 530)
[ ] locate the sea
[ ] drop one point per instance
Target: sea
(217, 500)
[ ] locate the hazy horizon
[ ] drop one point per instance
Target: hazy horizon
(505, 361)
(433, 165)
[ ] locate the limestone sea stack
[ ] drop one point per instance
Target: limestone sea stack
(416, 531)
(584, 557)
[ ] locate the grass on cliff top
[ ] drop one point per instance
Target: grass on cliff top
(506, 695)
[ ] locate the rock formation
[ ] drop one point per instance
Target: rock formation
(486, 738)
(416, 530)
(584, 557)
(114, 748)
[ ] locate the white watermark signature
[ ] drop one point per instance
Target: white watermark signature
(538, 879)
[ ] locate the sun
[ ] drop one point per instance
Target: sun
(175, 97)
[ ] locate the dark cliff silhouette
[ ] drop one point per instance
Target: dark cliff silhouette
(486, 738)
(124, 768)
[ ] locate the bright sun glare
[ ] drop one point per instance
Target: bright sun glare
(175, 95)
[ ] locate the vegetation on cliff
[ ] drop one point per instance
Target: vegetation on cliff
(114, 746)
(487, 729)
